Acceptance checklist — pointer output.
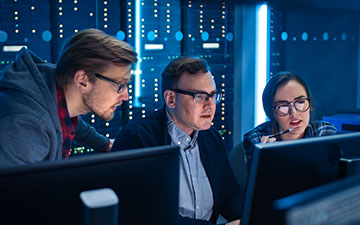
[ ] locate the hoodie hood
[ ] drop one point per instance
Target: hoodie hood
(32, 76)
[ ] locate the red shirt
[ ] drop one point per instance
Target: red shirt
(67, 124)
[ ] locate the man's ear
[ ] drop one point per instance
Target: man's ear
(81, 80)
(170, 98)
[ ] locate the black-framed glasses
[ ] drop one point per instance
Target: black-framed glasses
(284, 108)
(201, 97)
(121, 87)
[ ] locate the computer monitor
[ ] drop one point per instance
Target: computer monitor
(336, 203)
(146, 182)
(283, 168)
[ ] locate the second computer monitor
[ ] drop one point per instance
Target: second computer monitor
(287, 167)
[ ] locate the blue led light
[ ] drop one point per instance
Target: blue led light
(26, 40)
(205, 36)
(343, 36)
(284, 35)
(304, 36)
(151, 35)
(229, 36)
(3, 36)
(46, 36)
(120, 35)
(325, 36)
(179, 36)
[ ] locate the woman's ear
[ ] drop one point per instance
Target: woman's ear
(170, 99)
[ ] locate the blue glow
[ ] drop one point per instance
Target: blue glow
(217, 39)
(229, 36)
(179, 36)
(46, 36)
(304, 36)
(325, 36)
(165, 39)
(261, 70)
(343, 36)
(284, 36)
(137, 72)
(3, 36)
(120, 35)
(193, 39)
(151, 35)
(26, 40)
(205, 36)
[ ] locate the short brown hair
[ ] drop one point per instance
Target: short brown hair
(177, 67)
(91, 50)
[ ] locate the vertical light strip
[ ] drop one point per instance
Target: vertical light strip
(97, 14)
(138, 49)
(261, 64)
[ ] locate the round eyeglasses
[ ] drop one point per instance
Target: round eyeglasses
(201, 97)
(284, 108)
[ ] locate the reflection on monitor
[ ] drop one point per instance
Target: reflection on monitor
(145, 180)
(287, 167)
(337, 203)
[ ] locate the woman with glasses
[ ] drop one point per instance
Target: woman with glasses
(288, 104)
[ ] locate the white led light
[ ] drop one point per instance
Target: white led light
(13, 48)
(261, 69)
(211, 45)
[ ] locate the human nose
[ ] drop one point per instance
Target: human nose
(292, 109)
(209, 102)
(124, 95)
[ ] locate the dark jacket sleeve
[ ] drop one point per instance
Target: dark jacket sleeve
(228, 196)
(88, 136)
(233, 194)
(141, 133)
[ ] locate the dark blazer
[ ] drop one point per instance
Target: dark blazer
(152, 131)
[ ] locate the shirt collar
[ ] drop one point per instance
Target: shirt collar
(178, 136)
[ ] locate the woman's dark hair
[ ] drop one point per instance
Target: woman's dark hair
(271, 87)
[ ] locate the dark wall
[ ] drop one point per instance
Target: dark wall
(321, 46)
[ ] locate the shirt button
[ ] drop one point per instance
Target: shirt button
(197, 206)
(179, 142)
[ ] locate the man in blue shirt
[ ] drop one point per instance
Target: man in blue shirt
(207, 184)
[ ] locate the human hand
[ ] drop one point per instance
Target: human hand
(235, 222)
(266, 139)
(110, 145)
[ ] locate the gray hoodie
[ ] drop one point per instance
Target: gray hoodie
(30, 128)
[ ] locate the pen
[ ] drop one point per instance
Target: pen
(280, 133)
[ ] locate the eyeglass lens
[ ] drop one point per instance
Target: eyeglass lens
(300, 105)
(202, 98)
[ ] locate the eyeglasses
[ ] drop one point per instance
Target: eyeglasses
(121, 87)
(201, 97)
(284, 108)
